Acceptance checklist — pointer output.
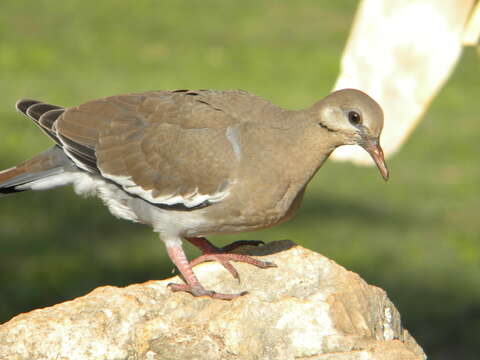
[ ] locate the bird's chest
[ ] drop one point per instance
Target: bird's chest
(293, 207)
(284, 208)
(254, 210)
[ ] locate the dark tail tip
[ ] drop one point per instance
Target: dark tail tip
(9, 190)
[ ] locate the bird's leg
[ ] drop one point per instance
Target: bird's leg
(192, 286)
(223, 255)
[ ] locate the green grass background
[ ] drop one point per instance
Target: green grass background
(416, 236)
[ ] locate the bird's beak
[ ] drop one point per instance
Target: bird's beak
(374, 149)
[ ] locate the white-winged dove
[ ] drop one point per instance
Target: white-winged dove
(192, 163)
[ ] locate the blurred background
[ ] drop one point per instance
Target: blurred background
(416, 236)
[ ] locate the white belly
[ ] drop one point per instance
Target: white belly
(168, 223)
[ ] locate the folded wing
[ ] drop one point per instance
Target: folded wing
(161, 146)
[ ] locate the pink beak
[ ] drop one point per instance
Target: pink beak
(374, 149)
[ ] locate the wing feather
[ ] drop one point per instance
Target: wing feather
(42, 115)
(165, 147)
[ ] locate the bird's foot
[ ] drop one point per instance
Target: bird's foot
(200, 291)
(192, 286)
(223, 255)
(225, 258)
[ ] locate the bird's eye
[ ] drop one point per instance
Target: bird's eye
(354, 117)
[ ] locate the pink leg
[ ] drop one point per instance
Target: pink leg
(223, 256)
(193, 286)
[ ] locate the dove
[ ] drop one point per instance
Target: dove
(190, 163)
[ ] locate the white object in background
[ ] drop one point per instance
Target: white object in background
(401, 52)
(471, 36)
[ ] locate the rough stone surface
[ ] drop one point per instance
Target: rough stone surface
(307, 308)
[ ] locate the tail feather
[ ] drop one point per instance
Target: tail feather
(7, 180)
(16, 178)
(46, 170)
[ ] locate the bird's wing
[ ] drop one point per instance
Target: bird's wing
(170, 148)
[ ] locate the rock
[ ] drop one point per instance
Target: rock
(307, 308)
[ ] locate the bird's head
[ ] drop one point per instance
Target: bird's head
(356, 119)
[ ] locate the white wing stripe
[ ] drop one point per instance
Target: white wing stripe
(190, 200)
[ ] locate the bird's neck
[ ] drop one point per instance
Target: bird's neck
(306, 154)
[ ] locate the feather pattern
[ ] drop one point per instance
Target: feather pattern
(143, 142)
(36, 110)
